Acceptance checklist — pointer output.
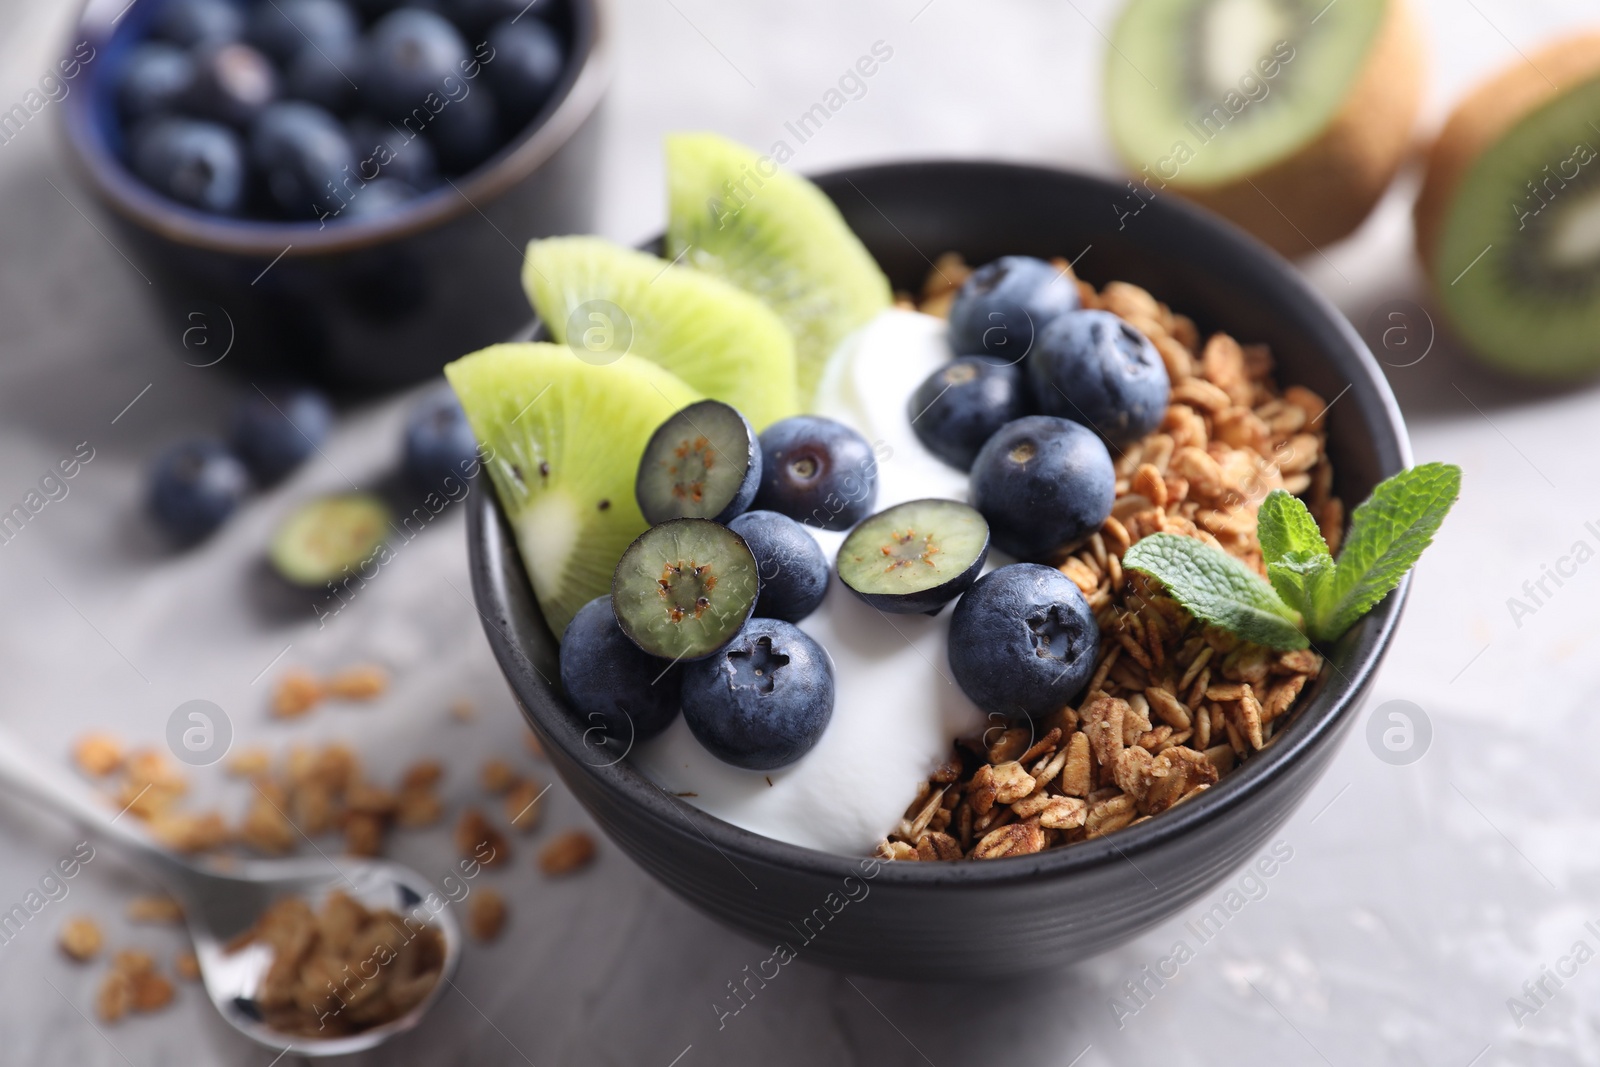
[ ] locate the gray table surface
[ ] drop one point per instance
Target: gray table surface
(1417, 901)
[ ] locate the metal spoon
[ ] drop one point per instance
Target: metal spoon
(220, 905)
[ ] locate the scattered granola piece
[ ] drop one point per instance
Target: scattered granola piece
(249, 762)
(521, 805)
(187, 966)
(570, 851)
(486, 914)
(497, 776)
(461, 710)
(266, 828)
(535, 746)
(189, 832)
(296, 692)
(115, 997)
(363, 834)
(477, 838)
(418, 808)
(422, 774)
(365, 681)
(154, 909)
(151, 990)
(81, 938)
(97, 754)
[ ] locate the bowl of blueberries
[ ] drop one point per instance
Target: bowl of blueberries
(339, 189)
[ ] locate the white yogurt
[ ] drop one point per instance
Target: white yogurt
(896, 707)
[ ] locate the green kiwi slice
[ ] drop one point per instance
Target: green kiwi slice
(563, 439)
(736, 214)
(601, 299)
(685, 588)
(1508, 222)
(915, 557)
(322, 541)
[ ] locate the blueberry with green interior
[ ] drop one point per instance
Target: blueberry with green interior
(156, 77)
(1094, 368)
(189, 23)
(233, 83)
(194, 162)
(704, 462)
(275, 427)
(409, 54)
(280, 28)
(763, 701)
(439, 443)
(194, 487)
(1002, 307)
(915, 557)
(961, 405)
(1044, 484)
(327, 539)
(620, 694)
(1023, 640)
(817, 471)
(528, 60)
(684, 588)
(303, 158)
(793, 569)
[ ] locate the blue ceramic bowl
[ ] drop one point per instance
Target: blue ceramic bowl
(999, 918)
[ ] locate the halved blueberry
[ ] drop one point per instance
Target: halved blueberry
(324, 540)
(1002, 308)
(621, 694)
(1044, 484)
(794, 571)
(1023, 640)
(915, 557)
(1094, 368)
(764, 700)
(817, 471)
(702, 463)
(961, 405)
(684, 588)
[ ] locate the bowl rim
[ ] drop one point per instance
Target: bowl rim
(580, 94)
(1318, 723)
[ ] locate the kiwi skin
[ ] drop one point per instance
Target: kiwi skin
(1483, 117)
(1327, 188)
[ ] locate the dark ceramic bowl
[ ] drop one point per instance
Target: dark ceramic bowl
(360, 304)
(967, 921)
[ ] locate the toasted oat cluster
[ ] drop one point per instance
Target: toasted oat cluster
(344, 970)
(1173, 704)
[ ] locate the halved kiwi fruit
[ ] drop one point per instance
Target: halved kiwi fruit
(1289, 117)
(321, 541)
(601, 299)
(915, 557)
(738, 215)
(563, 439)
(685, 588)
(703, 463)
(1508, 222)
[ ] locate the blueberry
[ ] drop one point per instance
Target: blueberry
(1004, 305)
(916, 556)
(394, 154)
(326, 77)
(194, 487)
(620, 694)
(438, 442)
(281, 28)
(764, 700)
(528, 59)
(193, 162)
(274, 429)
(1092, 367)
(793, 568)
(156, 77)
(703, 462)
(466, 132)
(1023, 640)
(303, 158)
(377, 198)
(475, 17)
(409, 54)
(817, 471)
(198, 22)
(1044, 484)
(963, 403)
(233, 84)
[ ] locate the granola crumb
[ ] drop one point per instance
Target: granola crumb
(535, 746)
(521, 805)
(132, 984)
(296, 693)
(365, 681)
(486, 915)
(497, 776)
(249, 762)
(97, 754)
(154, 909)
(478, 839)
(187, 966)
(462, 710)
(569, 852)
(81, 938)
(422, 774)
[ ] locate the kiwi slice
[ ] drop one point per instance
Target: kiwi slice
(563, 438)
(703, 463)
(600, 299)
(685, 588)
(1508, 222)
(736, 214)
(915, 557)
(322, 541)
(1289, 117)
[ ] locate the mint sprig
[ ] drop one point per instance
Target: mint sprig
(1308, 594)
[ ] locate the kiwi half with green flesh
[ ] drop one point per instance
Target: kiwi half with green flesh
(563, 438)
(600, 298)
(915, 557)
(703, 463)
(1289, 117)
(1508, 221)
(322, 541)
(738, 215)
(685, 588)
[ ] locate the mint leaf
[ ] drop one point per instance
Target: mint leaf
(1387, 535)
(1297, 558)
(1301, 578)
(1217, 588)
